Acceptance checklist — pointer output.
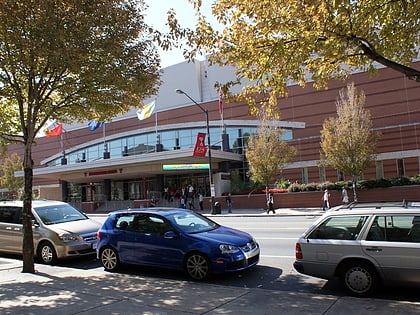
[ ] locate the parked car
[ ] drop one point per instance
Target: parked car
(59, 230)
(175, 239)
(364, 247)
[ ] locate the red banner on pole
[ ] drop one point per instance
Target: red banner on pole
(200, 148)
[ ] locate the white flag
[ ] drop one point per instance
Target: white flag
(146, 111)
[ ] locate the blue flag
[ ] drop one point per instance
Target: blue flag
(93, 125)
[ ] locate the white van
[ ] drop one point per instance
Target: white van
(59, 230)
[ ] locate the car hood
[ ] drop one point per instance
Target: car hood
(80, 227)
(225, 235)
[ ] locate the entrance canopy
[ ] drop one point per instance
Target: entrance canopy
(127, 167)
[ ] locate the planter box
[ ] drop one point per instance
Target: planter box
(312, 199)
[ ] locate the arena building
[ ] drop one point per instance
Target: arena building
(132, 159)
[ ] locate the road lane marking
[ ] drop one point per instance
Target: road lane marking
(276, 238)
(274, 256)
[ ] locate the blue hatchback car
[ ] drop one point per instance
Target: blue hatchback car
(175, 239)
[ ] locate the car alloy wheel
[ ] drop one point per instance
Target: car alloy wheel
(46, 253)
(109, 259)
(197, 266)
(360, 279)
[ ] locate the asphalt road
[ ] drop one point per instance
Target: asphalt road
(277, 237)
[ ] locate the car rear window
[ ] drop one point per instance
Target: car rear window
(10, 215)
(339, 228)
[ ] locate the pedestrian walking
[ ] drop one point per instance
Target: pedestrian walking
(200, 200)
(182, 202)
(270, 203)
(229, 203)
(344, 196)
(191, 203)
(326, 200)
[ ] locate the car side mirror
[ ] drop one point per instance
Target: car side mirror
(35, 223)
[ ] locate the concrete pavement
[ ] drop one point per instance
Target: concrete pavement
(71, 291)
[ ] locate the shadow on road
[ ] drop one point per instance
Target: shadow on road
(259, 277)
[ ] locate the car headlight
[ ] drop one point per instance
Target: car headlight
(67, 237)
(228, 249)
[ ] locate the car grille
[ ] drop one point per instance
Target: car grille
(243, 263)
(249, 247)
(90, 238)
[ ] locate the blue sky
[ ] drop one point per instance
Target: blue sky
(156, 17)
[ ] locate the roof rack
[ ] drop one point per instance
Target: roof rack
(383, 204)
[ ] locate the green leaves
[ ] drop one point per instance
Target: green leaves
(274, 42)
(267, 153)
(74, 60)
(348, 144)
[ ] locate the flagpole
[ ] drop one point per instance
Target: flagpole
(158, 140)
(106, 154)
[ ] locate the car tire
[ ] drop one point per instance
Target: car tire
(46, 253)
(359, 278)
(109, 259)
(197, 266)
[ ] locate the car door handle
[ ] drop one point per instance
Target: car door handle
(374, 249)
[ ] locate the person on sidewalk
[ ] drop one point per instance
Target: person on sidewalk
(229, 203)
(344, 196)
(270, 203)
(200, 200)
(326, 200)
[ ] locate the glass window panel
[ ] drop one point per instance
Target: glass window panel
(94, 153)
(339, 228)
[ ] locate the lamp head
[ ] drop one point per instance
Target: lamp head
(179, 91)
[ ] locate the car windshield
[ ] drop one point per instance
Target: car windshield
(190, 222)
(59, 214)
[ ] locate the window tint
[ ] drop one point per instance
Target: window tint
(339, 228)
(10, 215)
(124, 222)
(395, 228)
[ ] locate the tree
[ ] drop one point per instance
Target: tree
(69, 60)
(347, 141)
(272, 43)
(8, 168)
(267, 153)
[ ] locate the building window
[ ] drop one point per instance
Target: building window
(340, 175)
(400, 167)
(305, 175)
(379, 169)
(322, 176)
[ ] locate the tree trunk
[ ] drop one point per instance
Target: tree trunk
(28, 243)
(354, 181)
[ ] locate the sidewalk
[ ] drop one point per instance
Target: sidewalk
(68, 291)
(262, 212)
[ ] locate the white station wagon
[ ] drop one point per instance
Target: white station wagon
(364, 247)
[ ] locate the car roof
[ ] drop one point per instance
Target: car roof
(35, 203)
(155, 210)
(375, 211)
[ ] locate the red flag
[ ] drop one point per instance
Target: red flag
(56, 131)
(220, 101)
(200, 148)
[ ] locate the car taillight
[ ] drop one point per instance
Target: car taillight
(98, 235)
(298, 251)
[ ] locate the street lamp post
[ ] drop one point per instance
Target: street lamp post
(208, 144)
